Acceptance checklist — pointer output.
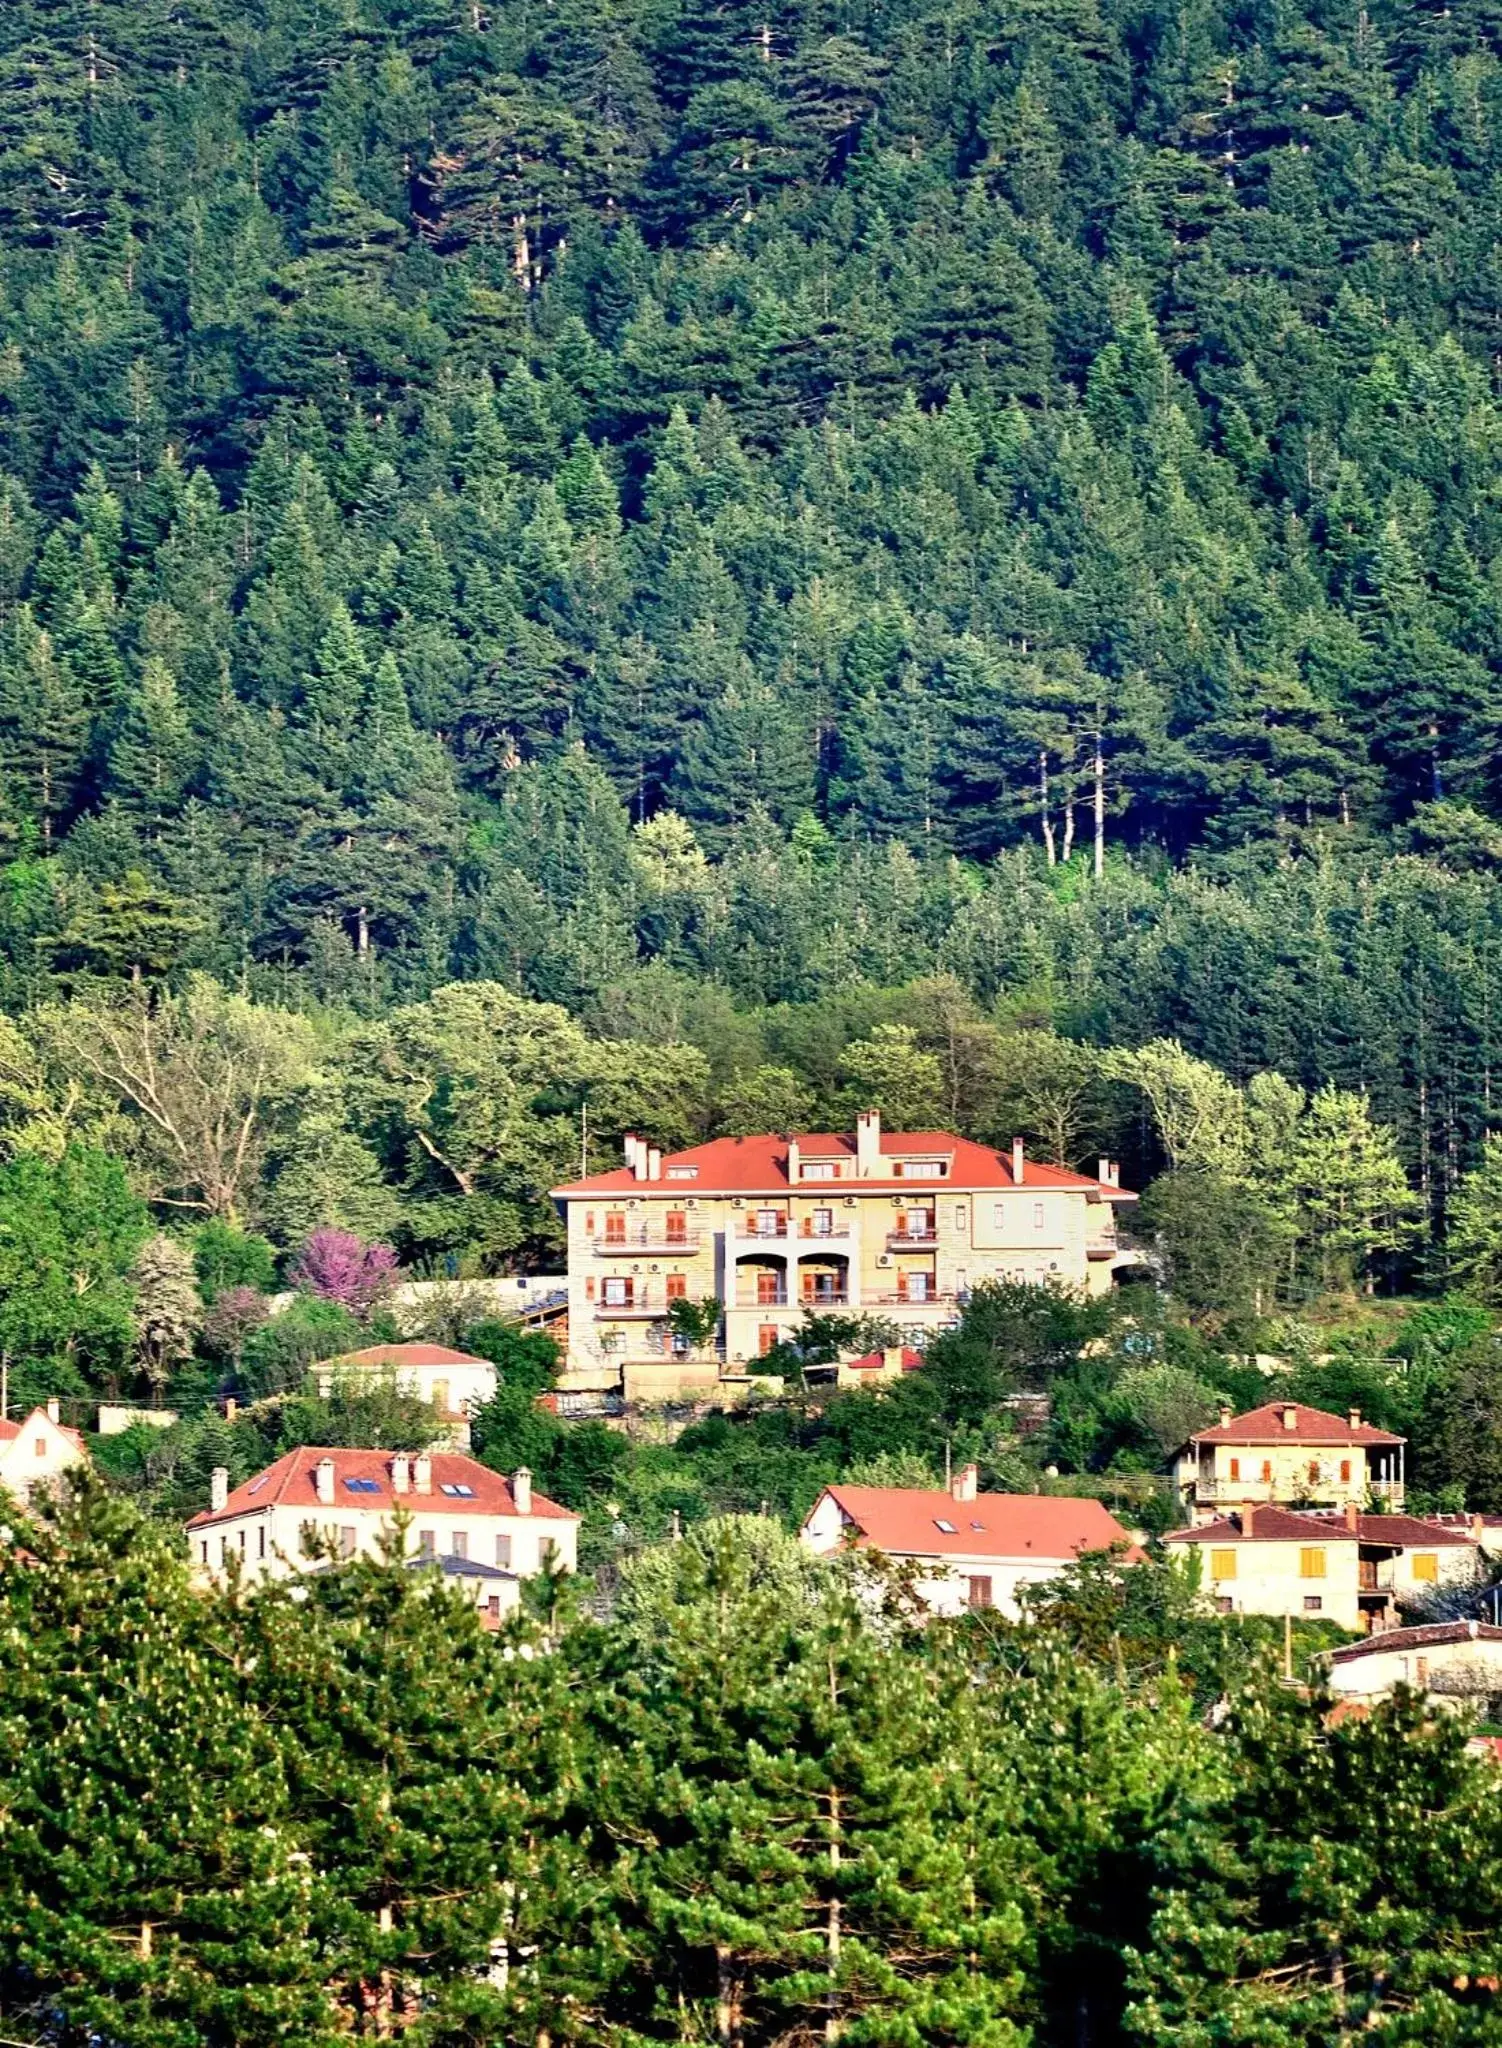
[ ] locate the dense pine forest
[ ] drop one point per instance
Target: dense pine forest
(564, 569)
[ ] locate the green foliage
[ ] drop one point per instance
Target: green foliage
(70, 1232)
(224, 1257)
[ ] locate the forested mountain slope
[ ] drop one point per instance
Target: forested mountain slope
(440, 439)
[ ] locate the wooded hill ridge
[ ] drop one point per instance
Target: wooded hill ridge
(680, 508)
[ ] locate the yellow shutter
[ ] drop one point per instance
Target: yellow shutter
(1311, 1564)
(1426, 1566)
(1222, 1564)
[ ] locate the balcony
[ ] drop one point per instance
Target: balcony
(834, 1297)
(651, 1238)
(754, 1298)
(1103, 1245)
(645, 1304)
(902, 1299)
(912, 1240)
(772, 1226)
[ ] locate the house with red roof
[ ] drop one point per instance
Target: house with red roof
(453, 1383)
(974, 1550)
(37, 1451)
(1343, 1564)
(482, 1530)
(899, 1224)
(1286, 1454)
(1458, 1663)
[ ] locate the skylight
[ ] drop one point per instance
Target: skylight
(947, 1527)
(256, 1484)
(465, 1492)
(363, 1485)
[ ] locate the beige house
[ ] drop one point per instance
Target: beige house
(1458, 1663)
(452, 1382)
(974, 1550)
(1288, 1455)
(1348, 1567)
(37, 1451)
(484, 1531)
(896, 1224)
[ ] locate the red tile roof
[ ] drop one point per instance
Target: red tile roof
(290, 1482)
(746, 1166)
(406, 1354)
(1265, 1425)
(1269, 1525)
(1423, 1638)
(904, 1521)
(873, 1361)
(1401, 1531)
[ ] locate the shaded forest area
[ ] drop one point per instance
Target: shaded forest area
(679, 509)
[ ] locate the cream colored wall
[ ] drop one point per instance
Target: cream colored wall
(40, 1454)
(941, 1584)
(1267, 1579)
(1455, 1566)
(1291, 1479)
(270, 1539)
(1470, 1666)
(973, 1244)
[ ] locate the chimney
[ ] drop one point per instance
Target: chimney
(965, 1482)
(636, 1155)
(1478, 1528)
(1353, 1517)
(1116, 1173)
(1248, 1517)
(795, 1163)
(654, 1164)
(1103, 1172)
(1019, 1161)
(231, 1408)
(1354, 1418)
(323, 1480)
(1225, 1415)
(521, 1490)
(218, 1490)
(401, 1472)
(1290, 1418)
(54, 1412)
(868, 1144)
(891, 1358)
(422, 1473)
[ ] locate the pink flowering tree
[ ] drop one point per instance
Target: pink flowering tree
(338, 1266)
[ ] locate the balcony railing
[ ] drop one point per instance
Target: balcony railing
(902, 1240)
(753, 1226)
(651, 1238)
(645, 1302)
(1103, 1245)
(835, 1297)
(748, 1299)
(900, 1298)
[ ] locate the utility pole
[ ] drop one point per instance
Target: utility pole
(584, 1141)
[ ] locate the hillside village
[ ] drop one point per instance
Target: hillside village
(692, 1277)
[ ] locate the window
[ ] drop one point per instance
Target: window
(1345, 1471)
(822, 1223)
(547, 1551)
(818, 1169)
(677, 1232)
(1421, 1671)
(1224, 1604)
(1267, 1471)
(261, 1542)
(41, 1446)
(1222, 1564)
(441, 1396)
(683, 1173)
(766, 1337)
(1236, 1468)
(1037, 1215)
(1311, 1564)
(203, 1550)
(456, 1489)
(244, 1539)
(346, 1542)
(947, 1527)
(1314, 1471)
(677, 1288)
(503, 1553)
(256, 1484)
(493, 1607)
(1426, 1567)
(459, 1545)
(768, 1288)
(768, 1222)
(362, 1485)
(978, 1594)
(616, 1293)
(615, 1228)
(920, 1169)
(425, 1544)
(917, 1285)
(1313, 1604)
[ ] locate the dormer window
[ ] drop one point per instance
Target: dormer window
(819, 1169)
(683, 1173)
(921, 1169)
